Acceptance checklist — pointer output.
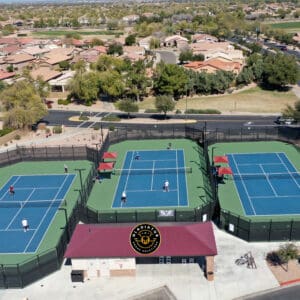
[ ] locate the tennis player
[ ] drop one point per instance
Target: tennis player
(123, 198)
(137, 156)
(66, 168)
(166, 186)
(11, 190)
(25, 225)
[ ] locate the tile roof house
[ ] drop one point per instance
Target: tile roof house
(131, 18)
(45, 73)
(145, 42)
(10, 49)
(35, 51)
(201, 37)
(61, 82)
(205, 46)
(133, 49)
(100, 49)
(57, 55)
(226, 55)
(174, 40)
(5, 75)
(89, 56)
(214, 65)
(18, 61)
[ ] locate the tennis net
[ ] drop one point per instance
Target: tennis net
(34, 203)
(255, 176)
(152, 171)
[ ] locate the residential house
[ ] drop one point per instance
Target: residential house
(131, 19)
(8, 50)
(35, 51)
(45, 73)
(100, 49)
(18, 61)
(5, 75)
(175, 41)
(204, 47)
(226, 55)
(89, 56)
(296, 37)
(145, 42)
(57, 55)
(202, 37)
(60, 84)
(213, 65)
(84, 21)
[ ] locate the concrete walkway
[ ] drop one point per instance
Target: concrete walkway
(186, 282)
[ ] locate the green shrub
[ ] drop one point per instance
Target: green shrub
(17, 137)
(202, 111)
(178, 112)
(5, 131)
(151, 111)
(96, 127)
(63, 101)
(84, 118)
(111, 128)
(111, 118)
(57, 129)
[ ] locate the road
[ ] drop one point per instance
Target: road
(58, 117)
(290, 293)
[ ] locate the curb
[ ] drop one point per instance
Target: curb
(289, 282)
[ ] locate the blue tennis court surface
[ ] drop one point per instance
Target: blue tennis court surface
(143, 179)
(267, 183)
(36, 199)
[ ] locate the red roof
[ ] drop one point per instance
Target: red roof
(5, 75)
(111, 155)
(106, 166)
(107, 240)
(220, 159)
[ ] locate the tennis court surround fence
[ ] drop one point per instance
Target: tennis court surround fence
(22, 274)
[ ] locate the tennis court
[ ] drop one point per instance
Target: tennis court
(142, 179)
(36, 199)
(267, 183)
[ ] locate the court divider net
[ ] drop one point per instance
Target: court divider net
(33, 203)
(152, 171)
(255, 176)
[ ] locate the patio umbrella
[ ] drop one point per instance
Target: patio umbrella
(224, 171)
(220, 159)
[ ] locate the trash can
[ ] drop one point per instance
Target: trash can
(77, 275)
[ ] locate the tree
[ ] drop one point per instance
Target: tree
(170, 80)
(42, 87)
(128, 106)
(115, 48)
(130, 40)
(96, 42)
(85, 87)
(293, 112)
(280, 70)
(164, 103)
(245, 77)
(185, 56)
(136, 80)
(111, 83)
(64, 65)
(22, 105)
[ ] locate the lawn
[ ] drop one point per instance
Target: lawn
(289, 27)
(59, 33)
(254, 100)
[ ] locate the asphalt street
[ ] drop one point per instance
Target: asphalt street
(58, 117)
(290, 293)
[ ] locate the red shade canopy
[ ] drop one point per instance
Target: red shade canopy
(110, 155)
(224, 171)
(220, 159)
(105, 166)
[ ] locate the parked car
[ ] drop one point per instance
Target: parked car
(285, 120)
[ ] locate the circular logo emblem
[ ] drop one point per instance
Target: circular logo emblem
(145, 238)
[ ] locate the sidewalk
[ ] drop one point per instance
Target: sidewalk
(186, 282)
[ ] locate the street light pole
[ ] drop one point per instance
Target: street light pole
(97, 144)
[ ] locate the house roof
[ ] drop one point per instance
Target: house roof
(113, 240)
(175, 38)
(5, 75)
(56, 55)
(10, 49)
(18, 58)
(214, 63)
(8, 41)
(35, 50)
(45, 72)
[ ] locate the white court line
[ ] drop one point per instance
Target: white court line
(266, 175)
(138, 191)
(4, 230)
(18, 177)
(39, 188)
(243, 183)
(127, 177)
(288, 170)
(177, 179)
(152, 176)
(247, 164)
(266, 197)
(19, 209)
(29, 242)
(157, 160)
